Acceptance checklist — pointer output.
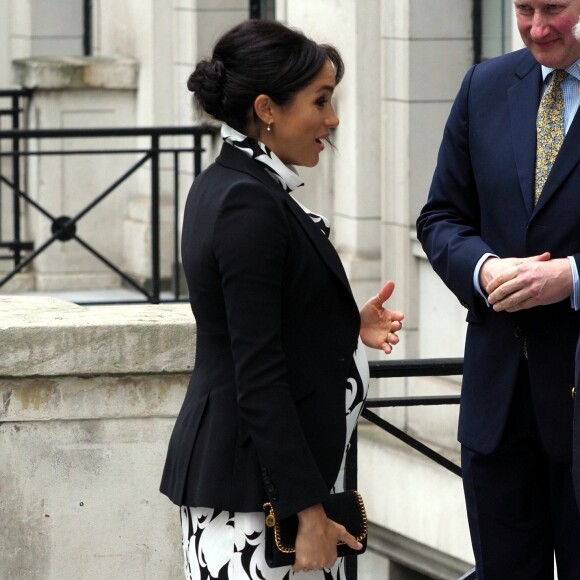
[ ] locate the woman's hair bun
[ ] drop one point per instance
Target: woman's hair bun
(206, 82)
(219, 69)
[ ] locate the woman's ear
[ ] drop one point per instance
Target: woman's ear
(263, 108)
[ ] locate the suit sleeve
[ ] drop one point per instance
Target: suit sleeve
(448, 226)
(251, 244)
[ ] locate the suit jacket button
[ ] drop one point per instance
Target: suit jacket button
(270, 488)
(573, 392)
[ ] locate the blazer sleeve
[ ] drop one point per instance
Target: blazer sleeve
(448, 226)
(251, 241)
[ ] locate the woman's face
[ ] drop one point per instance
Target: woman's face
(299, 128)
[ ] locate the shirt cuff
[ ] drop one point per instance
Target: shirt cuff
(575, 297)
(476, 275)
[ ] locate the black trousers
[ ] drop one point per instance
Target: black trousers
(520, 503)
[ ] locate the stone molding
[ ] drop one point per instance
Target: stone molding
(65, 73)
(43, 336)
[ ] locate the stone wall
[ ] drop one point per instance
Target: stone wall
(89, 397)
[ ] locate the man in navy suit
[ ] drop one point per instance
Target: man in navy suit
(512, 259)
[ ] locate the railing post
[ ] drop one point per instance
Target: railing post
(176, 214)
(351, 482)
(15, 114)
(197, 151)
(155, 246)
(88, 27)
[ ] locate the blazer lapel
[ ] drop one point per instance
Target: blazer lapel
(524, 98)
(320, 242)
(230, 157)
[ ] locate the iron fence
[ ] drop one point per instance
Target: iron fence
(158, 143)
(404, 368)
(13, 108)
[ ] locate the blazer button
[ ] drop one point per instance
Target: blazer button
(270, 488)
(573, 392)
(518, 332)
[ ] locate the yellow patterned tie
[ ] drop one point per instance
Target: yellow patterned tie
(550, 129)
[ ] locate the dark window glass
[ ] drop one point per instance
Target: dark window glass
(263, 9)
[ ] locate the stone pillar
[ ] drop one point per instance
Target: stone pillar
(423, 65)
(346, 183)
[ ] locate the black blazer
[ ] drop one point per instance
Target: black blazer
(277, 326)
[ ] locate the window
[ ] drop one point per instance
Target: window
(60, 27)
(263, 9)
(492, 21)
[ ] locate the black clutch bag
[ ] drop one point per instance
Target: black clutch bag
(346, 508)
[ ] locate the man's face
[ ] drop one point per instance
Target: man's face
(547, 30)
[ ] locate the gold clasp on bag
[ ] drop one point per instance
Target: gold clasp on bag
(272, 523)
(270, 518)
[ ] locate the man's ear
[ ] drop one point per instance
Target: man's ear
(263, 109)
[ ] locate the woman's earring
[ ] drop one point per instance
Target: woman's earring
(269, 127)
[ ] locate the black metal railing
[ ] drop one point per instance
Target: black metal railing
(13, 107)
(397, 369)
(65, 228)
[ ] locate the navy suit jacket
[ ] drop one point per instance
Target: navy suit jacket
(277, 326)
(481, 200)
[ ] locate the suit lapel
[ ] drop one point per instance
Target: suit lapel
(238, 160)
(524, 98)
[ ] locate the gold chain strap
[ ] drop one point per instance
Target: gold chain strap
(271, 522)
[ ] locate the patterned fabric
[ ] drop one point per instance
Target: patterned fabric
(550, 129)
(285, 175)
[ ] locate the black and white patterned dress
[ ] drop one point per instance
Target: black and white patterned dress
(223, 545)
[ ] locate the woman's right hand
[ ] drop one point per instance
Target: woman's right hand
(317, 538)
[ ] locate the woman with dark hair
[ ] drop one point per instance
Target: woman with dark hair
(280, 372)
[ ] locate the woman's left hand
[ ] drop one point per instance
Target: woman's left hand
(378, 325)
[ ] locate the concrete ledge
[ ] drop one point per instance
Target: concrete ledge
(52, 337)
(76, 73)
(88, 399)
